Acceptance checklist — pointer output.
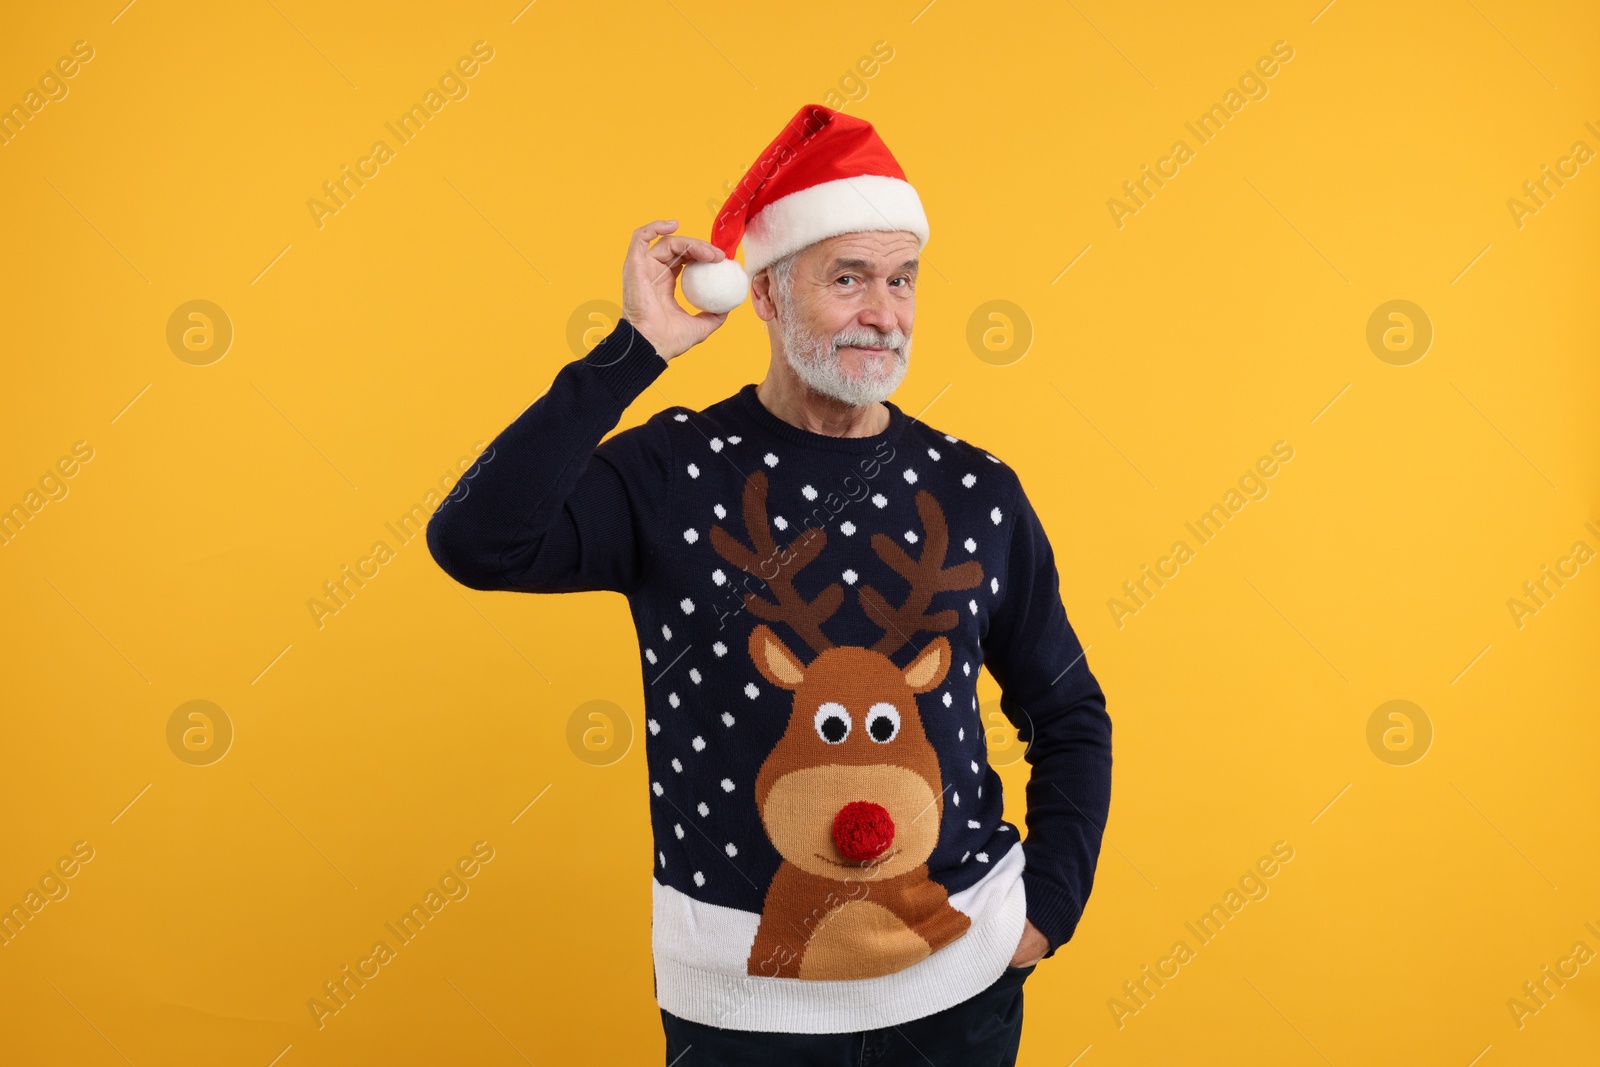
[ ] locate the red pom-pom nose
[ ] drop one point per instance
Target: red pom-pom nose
(862, 830)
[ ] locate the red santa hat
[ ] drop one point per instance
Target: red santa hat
(825, 174)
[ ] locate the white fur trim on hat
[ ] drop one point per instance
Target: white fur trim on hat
(844, 205)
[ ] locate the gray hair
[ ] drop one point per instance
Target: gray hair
(781, 271)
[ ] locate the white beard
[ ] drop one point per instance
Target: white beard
(815, 360)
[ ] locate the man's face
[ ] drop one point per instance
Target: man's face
(846, 326)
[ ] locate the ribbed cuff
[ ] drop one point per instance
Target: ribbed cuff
(625, 362)
(1050, 908)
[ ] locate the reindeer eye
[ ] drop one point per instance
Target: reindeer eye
(883, 722)
(833, 723)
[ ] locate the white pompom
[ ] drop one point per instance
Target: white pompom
(716, 287)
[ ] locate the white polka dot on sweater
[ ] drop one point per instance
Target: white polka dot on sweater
(910, 476)
(687, 605)
(880, 500)
(691, 535)
(650, 655)
(676, 765)
(769, 459)
(933, 453)
(730, 849)
(720, 511)
(655, 727)
(699, 878)
(655, 787)
(672, 698)
(727, 720)
(994, 585)
(995, 516)
(969, 480)
(847, 528)
(970, 545)
(850, 577)
(727, 785)
(974, 824)
(751, 691)
(694, 470)
(716, 444)
(982, 857)
(702, 809)
(699, 745)
(680, 417)
(733, 439)
(911, 536)
(720, 649)
(809, 492)
(694, 675)
(718, 577)
(677, 828)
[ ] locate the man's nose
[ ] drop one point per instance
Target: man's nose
(878, 311)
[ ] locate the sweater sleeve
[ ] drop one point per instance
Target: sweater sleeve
(1049, 694)
(550, 508)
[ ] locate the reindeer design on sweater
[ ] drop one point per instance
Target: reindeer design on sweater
(851, 796)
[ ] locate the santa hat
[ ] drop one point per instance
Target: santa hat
(824, 175)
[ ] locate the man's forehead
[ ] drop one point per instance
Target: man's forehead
(893, 250)
(854, 263)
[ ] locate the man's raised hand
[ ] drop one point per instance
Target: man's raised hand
(649, 277)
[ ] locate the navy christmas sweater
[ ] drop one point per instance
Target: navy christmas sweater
(812, 613)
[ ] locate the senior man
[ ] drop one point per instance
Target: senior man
(816, 579)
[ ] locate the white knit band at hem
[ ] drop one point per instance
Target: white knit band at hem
(844, 205)
(701, 951)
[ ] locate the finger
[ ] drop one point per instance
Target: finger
(676, 248)
(679, 244)
(708, 322)
(707, 251)
(672, 254)
(649, 231)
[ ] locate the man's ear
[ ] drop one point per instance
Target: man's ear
(762, 296)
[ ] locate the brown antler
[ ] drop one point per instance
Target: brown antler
(927, 576)
(805, 617)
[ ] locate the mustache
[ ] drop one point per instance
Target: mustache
(869, 338)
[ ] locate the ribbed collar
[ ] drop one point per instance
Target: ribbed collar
(748, 402)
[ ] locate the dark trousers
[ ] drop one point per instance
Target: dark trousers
(982, 1031)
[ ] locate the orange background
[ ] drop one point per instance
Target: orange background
(1162, 356)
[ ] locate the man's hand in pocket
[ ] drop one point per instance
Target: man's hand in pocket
(1031, 948)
